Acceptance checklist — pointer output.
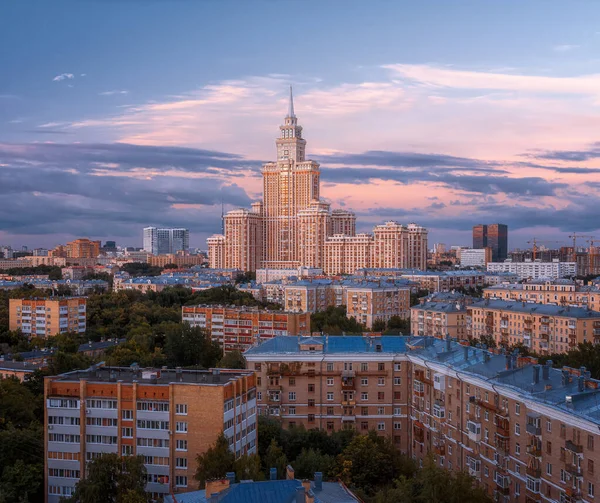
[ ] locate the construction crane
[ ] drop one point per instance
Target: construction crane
(574, 237)
(535, 242)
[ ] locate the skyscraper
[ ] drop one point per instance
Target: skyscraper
(494, 236)
(294, 227)
(163, 241)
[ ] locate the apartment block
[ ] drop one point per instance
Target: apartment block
(83, 248)
(445, 281)
(560, 292)
(169, 416)
(179, 260)
(526, 432)
(475, 257)
(544, 328)
(373, 302)
(535, 269)
(242, 327)
(48, 317)
(439, 319)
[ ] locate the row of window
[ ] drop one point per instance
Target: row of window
(65, 420)
(61, 437)
(364, 366)
(101, 439)
(63, 473)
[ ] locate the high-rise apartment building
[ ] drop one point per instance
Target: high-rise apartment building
(159, 241)
(83, 248)
(494, 236)
(526, 432)
(294, 227)
(169, 416)
(48, 317)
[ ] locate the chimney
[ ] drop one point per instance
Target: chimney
(289, 473)
(581, 383)
(536, 374)
(178, 374)
(508, 360)
(448, 342)
(231, 477)
(318, 481)
(565, 377)
(273, 474)
(300, 495)
(546, 370)
(466, 352)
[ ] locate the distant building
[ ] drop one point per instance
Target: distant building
(23, 371)
(535, 269)
(242, 327)
(493, 235)
(83, 248)
(48, 317)
(265, 275)
(475, 257)
(159, 241)
(177, 259)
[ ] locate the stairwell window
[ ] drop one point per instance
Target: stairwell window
(181, 427)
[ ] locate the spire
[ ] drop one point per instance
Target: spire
(291, 108)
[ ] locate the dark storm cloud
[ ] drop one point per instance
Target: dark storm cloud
(52, 188)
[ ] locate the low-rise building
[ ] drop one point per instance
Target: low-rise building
(169, 416)
(439, 319)
(525, 432)
(23, 371)
(376, 302)
(48, 317)
(545, 328)
(239, 328)
(535, 269)
(475, 257)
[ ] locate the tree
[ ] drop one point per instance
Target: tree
(311, 461)
(215, 462)
(378, 325)
(171, 266)
(276, 458)
(21, 482)
(113, 479)
(17, 404)
(248, 467)
(334, 321)
(187, 346)
(232, 360)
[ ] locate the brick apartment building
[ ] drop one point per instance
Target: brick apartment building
(242, 327)
(48, 317)
(545, 328)
(83, 248)
(439, 319)
(559, 291)
(528, 433)
(169, 416)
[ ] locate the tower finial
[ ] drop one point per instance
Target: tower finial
(291, 108)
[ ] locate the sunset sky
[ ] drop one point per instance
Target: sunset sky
(118, 114)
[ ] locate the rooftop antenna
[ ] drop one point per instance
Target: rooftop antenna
(222, 216)
(291, 107)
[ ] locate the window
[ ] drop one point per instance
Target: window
(397, 367)
(548, 469)
(127, 432)
(259, 395)
(292, 396)
(397, 425)
(381, 366)
(330, 396)
(364, 367)
(330, 381)
(518, 449)
(517, 488)
(126, 450)
(364, 425)
(330, 425)
(292, 381)
(380, 395)
(127, 415)
(590, 465)
(311, 388)
(181, 463)
(590, 442)
(150, 406)
(311, 402)
(330, 411)
(380, 411)
(591, 489)
(517, 429)
(329, 366)
(292, 411)
(311, 418)
(486, 471)
(364, 381)
(181, 427)
(364, 396)
(181, 409)
(381, 381)
(181, 445)
(380, 426)
(257, 367)
(397, 381)
(364, 411)
(148, 424)
(517, 408)
(549, 426)
(180, 481)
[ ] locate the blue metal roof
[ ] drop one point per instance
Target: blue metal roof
(270, 491)
(331, 344)
(534, 308)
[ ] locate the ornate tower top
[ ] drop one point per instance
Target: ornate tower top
(291, 108)
(290, 144)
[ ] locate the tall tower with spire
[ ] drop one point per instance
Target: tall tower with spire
(290, 184)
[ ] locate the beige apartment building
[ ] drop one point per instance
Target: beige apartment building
(559, 291)
(48, 317)
(292, 226)
(240, 328)
(439, 319)
(169, 416)
(526, 432)
(545, 328)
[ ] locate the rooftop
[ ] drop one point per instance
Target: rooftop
(442, 307)
(19, 366)
(97, 373)
(517, 306)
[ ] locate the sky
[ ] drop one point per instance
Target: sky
(119, 114)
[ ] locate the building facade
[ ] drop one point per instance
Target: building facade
(168, 416)
(159, 241)
(238, 328)
(475, 257)
(494, 236)
(535, 269)
(439, 319)
(544, 328)
(48, 317)
(83, 248)
(526, 432)
(294, 227)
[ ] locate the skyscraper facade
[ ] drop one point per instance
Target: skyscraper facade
(294, 227)
(493, 235)
(164, 241)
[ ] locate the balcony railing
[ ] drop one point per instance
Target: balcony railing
(533, 429)
(573, 447)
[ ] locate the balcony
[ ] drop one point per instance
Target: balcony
(418, 388)
(502, 426)
(347, 403)
(573, 494)
(274, 387)
(483, 404)
(534, 472)
(502, 445)
(347, 383)
(534, 450)
(440, 449)
(418, 432)
(574, 470)
(573, 447)
(474, 431)
(533, 429)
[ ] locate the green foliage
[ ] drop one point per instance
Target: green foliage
(187, 346)
(114, 479)
(333, 321)
(17, 404)
(247, 277)
(215, 462)
(249, 468)
(379, 325)
(310, 461)
(585, 355)
(275, 458)
(53, 272)
(171, 266)
(232, 360)
(415, 297)
(141, 269)
(21, 482)
(62, 362)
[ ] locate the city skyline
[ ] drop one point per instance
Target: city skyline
(435, 128)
